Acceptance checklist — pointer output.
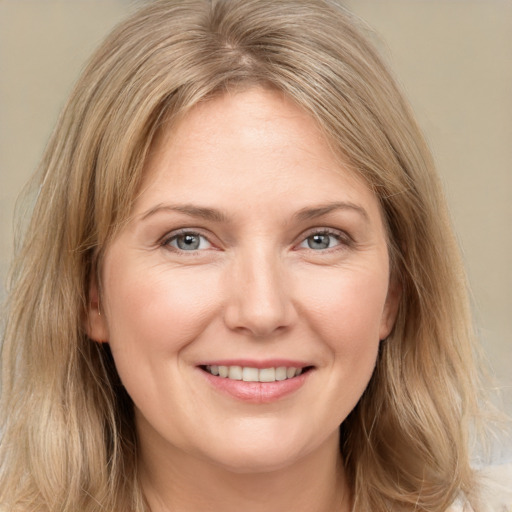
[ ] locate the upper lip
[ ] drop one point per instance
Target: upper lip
(252, 363)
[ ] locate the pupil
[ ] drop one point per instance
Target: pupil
(319, 242)
(188, 242)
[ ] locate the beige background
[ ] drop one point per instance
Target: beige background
(453, 58)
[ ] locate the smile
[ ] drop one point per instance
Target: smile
(250, 374)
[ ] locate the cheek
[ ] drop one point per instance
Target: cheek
(346, 307)
(158, 309)
(153, 314)
(345, 312)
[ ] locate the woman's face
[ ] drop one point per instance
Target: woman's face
(251, 252)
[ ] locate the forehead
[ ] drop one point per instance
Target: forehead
(244, 145)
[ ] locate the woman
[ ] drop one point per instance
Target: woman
(239, 287)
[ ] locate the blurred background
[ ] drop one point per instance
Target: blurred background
(452, 57)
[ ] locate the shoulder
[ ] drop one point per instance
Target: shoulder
(495, 491)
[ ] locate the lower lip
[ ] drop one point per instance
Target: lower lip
(256, 392)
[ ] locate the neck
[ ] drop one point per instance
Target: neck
(183, 483)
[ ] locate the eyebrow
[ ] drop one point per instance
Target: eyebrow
(187, 209)
(319, 211)
(215, 215)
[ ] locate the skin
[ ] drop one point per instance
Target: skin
(255, 289)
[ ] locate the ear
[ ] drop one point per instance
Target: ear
(95, 321)
(390, 310)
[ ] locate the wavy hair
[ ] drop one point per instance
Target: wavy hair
(68, 436)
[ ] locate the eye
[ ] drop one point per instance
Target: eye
(321, 240)
(188, 241)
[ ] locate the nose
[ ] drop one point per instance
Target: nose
(260, 299)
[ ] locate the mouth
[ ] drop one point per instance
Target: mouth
(251, 374)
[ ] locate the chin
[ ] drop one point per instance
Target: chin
(262, 453)
(254, 463)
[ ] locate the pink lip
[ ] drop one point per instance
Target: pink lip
(256, 392)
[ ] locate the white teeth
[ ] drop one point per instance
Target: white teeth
(281, 373)
(267, 375)
(249, 374)
(235, 373)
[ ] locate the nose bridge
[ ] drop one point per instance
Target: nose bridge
(260, 301)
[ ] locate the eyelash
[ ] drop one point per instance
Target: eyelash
(341, 237)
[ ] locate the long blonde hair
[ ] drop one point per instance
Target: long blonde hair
(68, 439)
